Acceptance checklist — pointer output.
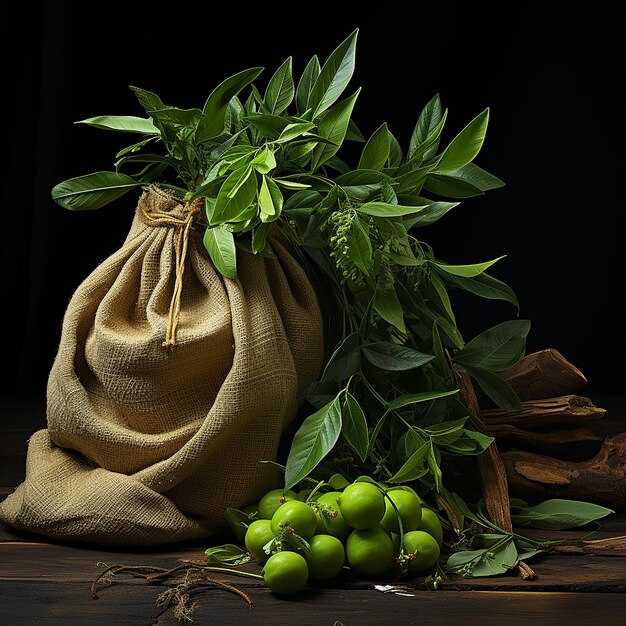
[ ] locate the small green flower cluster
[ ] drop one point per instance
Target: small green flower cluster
(341, 222)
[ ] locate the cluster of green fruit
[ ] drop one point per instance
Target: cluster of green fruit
(312, 535)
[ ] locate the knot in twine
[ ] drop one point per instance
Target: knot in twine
(184, 224)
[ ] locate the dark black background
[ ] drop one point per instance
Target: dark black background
(551, 73)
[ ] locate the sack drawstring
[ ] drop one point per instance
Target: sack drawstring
(184, 225)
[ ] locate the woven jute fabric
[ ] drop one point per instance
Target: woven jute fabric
(148, 445)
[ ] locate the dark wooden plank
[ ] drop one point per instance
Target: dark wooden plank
(33, 562)
(134, 605)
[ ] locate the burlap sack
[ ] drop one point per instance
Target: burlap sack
(147, 444)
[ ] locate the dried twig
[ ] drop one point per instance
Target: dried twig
(196, 576)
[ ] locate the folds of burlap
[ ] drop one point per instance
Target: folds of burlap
(148, 445)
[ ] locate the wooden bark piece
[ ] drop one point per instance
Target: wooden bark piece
(492, 472)
(544, 374)
(493, 478)
(601, 479)
(610, 546)
(547, 413)
(512, 436)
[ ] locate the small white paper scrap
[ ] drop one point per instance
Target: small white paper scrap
(392, 589)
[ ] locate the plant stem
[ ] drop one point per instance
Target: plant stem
(228, 570)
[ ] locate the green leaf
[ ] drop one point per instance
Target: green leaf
(227, 554)
(307, 80)
(270, 126)
(280, 90)
(334, 76)
(376, 150)
(306, 198)
(465, 146)
(338, 482)
(360, 184)
(123, 123)
(466, 271)
(313, 441)
(447, 432)
(482, 285)
(431, 213)
(427, 122)
(428, 147)
(264, 162)
(477, 177)
(270, 200)
(220, 244)
(415, 398)
(497, 348)
(392, 357)
(395, 152)
(489, 561)
(450, 186)
(92, 191)
(557, 514)
(333, 127)
(171, 121)
(412, 181)
(291, 131)
(235, 197)
(433, 460)
(359, 245)
(362, 177)
(290, 184)
(496, 388)
(384, 209)
(239, 518)
(439, 294)
(387, 305)
(345, 360)
(259, 238)
(135, 147)
(355, 426)
(214, 111)
(413, 467)
(470, 443)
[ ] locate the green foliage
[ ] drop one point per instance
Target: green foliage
(267, 162)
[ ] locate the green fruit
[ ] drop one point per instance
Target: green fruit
(430, 524)
(257, 535)
(273, 500)
(300, 515)
(425, 549)
(327, 557)
(409, 508)
(369, 552)
(286, 572)
(362, 505)
(335, 526)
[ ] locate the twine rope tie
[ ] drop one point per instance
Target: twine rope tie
(184, 226)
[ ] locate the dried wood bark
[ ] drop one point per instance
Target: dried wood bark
(610, 546)
(492, 472)
(547, 413)
(544, 374)
(509, 435)
(493, 477)
(601, 479)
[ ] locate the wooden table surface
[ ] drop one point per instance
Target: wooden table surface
(47, 582)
